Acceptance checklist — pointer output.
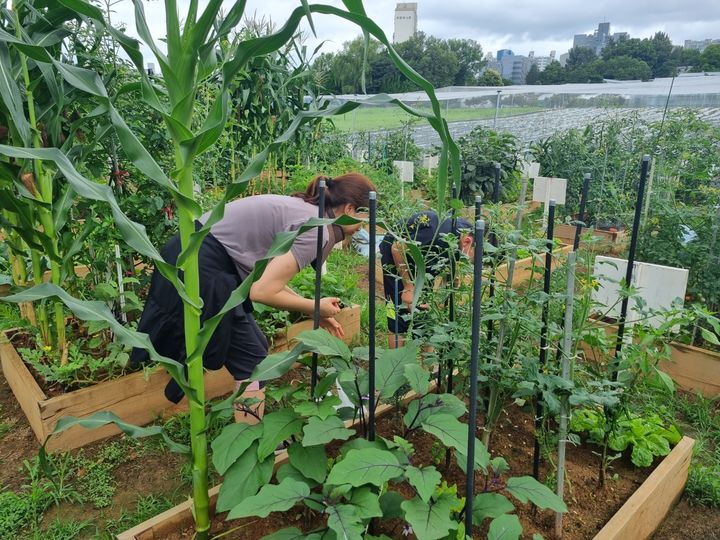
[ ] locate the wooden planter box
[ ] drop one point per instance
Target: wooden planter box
(645, 510)
(349, 317)
(637, 519)
(136, 398)
(180, 517)
(693, 369)
(610, 242)
(524, 267)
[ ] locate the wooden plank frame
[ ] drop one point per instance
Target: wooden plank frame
(693, 369)
(610, 242)
(645, 510)
(137, 398)
(524, 267)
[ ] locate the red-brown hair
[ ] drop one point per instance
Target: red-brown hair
(350, 188)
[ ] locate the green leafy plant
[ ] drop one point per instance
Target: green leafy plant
(647, 436)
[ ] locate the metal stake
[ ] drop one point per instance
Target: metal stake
(493, 242)
(474, 353)
(451, 302)
(371, 319)
(318, 278)
(565, 405)
(539, 409)
(644, 167)
(580, 223)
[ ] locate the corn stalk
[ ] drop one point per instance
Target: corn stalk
(190, 62)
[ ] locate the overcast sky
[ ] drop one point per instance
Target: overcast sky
(520, 25)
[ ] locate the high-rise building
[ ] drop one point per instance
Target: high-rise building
(542, 61)
(502, 53)
(598, 39)
(699, 45)
(515, 67)
(405, 21)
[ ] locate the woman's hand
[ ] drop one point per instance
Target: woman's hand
(333, 327)
(329, 307)
(406, 297)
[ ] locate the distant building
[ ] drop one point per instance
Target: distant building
(700, 45)
(405, 21)
(503, 53)
(563, 59)
(598, 39)
(541, 61)
(515, 67)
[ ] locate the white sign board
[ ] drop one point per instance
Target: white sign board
(659, 286)
(430, 162)
(406, 170)
(530, 169)
(546, 188)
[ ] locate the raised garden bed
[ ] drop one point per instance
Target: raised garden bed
(524, 267)
(648, 498)
(692, 368)
(137, 398)
(612, 242)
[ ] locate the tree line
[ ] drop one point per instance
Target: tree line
(451, 62)
(627, 59)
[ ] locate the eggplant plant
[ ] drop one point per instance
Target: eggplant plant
(361, 483)
(192, 58)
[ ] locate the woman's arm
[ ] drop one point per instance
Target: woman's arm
(272, 290)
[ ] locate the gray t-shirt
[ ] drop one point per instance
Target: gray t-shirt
(249, 226)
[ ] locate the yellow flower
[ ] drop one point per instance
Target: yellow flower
(47, 348)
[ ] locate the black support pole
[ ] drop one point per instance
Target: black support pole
(644, 167)
(318, 280)
(371, 319)
(474, 353)
(478, 208)
(580, 223)
(493, 242)
(539, 409)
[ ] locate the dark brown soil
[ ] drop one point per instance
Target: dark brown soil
(687, 522)
(590, 506)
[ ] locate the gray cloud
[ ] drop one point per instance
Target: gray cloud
(521, 25)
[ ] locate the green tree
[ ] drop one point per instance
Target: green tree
(490, 77)
(579, 56)
(553, 74)
(711, 57)
(533, 75)
(431, 57)
(625, 68)
(470, 60)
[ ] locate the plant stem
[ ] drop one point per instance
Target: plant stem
(45, 189)
(191, 317)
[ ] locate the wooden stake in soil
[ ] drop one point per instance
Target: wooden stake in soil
(645, 165)
(370, 433)
(567, 351)
(539, 409)
(318, 279)
(474, 352)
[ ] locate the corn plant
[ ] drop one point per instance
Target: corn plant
(191, 59)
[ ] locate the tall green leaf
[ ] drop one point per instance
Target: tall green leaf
(366, 466)
(272, 498)
(244, 478)
(526, 488)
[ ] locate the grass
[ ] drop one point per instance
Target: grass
(381, 118)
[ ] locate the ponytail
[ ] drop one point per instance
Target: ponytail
(350, 188)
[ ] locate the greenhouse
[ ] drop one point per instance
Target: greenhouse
(234, 305)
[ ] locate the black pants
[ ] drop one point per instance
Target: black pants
(237, 344)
